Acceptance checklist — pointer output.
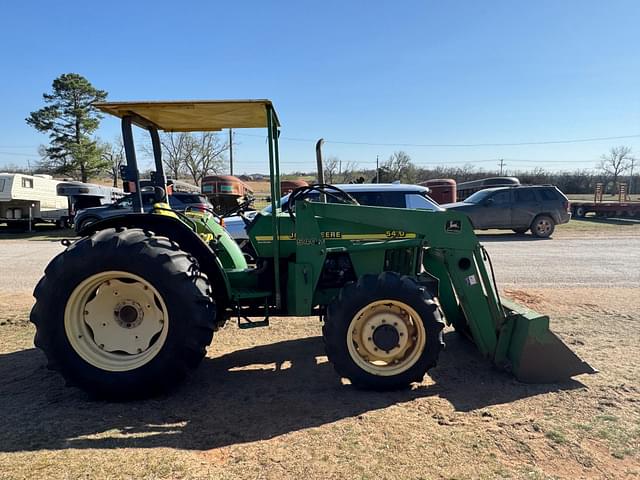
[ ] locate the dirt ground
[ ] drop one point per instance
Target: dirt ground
(265, 403)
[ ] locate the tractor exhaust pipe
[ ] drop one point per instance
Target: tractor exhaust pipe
(320, 164)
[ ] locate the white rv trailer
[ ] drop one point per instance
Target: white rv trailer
(31, 196)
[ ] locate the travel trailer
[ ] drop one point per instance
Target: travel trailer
(31, 197)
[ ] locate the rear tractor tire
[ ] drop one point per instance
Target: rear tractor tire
(543, 226)
(383, 332)
(123, 314)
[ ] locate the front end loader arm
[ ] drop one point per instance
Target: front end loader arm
(512, 336)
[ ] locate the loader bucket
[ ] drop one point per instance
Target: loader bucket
(537, 355)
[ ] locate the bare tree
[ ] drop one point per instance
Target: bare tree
(193, 155)
(173, 146)
(349, 172)
(204, 155)
(615, 163)
(331, 165)
(113, 156)
(399, 167)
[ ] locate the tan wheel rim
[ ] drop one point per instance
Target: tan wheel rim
(543, 226)
(116, 321)
(386, 338)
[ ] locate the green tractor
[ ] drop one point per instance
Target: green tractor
(129, 309)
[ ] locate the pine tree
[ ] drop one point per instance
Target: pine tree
(70, 118)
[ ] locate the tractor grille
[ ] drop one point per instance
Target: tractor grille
(399, 260)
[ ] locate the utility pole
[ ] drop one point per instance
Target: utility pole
(377, 170)
(502, 164)
(633, 161)
(231, 151)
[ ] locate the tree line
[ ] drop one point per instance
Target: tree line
(614, 167)
(71, 120)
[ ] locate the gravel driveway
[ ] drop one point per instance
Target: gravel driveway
(23, 263)
(565, 262)
(518, 261)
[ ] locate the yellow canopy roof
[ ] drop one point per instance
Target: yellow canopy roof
(197, 115)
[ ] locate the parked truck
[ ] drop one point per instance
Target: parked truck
(86, 195)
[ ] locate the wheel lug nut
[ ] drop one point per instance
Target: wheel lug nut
(86, 312)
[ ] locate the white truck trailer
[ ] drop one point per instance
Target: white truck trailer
(34, 198)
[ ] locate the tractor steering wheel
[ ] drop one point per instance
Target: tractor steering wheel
(301, 193)
(240, 209)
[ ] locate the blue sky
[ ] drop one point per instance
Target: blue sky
(387, 73)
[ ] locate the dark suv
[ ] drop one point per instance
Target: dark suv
(519, 208)
(178, 201)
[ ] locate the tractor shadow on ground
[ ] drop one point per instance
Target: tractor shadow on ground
(248, 395)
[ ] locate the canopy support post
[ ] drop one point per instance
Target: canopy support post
(159, 178)
(132, 173)
(274, 174)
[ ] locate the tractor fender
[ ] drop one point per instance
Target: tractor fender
(188, 240)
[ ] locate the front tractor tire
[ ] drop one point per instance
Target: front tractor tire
(383, 332)
(123, 314)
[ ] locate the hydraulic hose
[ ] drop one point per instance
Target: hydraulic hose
(487, 257)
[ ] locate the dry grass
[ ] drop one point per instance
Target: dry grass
(266, 404)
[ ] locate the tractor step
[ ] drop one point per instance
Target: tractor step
(249, 293)
(245, 322)
(252, 324)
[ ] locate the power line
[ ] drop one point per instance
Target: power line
(458, 162)
(434, 145)
(16, 154)
(19, 146)
(456, 145)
